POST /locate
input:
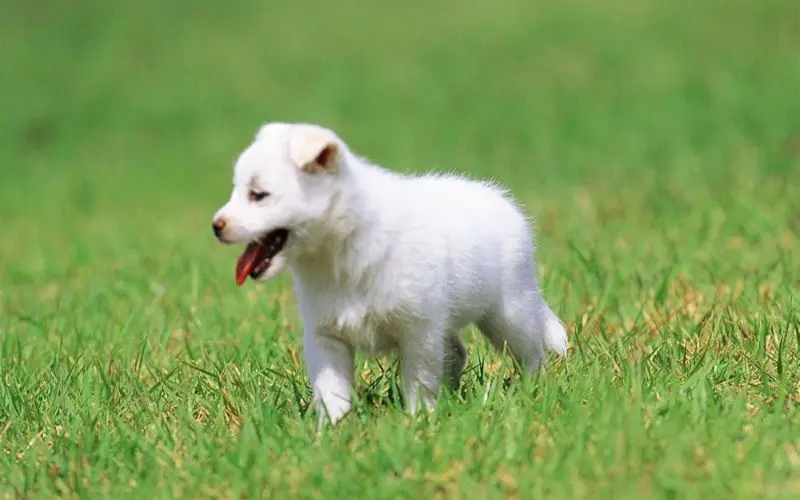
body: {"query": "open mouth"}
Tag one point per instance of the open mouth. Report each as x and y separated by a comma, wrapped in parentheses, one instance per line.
(257, 257)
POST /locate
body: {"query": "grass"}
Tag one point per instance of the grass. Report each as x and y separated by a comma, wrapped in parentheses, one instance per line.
(657, 144)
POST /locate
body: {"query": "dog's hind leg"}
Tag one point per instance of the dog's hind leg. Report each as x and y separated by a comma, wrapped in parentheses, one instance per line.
(526, 325)
(455, 359)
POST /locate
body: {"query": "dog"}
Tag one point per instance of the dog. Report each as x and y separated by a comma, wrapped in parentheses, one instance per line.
(383, 261)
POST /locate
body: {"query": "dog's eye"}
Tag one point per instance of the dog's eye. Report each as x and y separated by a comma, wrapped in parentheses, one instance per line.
(254, 195)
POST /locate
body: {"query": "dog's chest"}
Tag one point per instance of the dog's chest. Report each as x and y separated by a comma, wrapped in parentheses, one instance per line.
(364, 322)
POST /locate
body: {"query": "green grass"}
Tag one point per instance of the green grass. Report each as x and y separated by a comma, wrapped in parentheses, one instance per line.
(657, 144)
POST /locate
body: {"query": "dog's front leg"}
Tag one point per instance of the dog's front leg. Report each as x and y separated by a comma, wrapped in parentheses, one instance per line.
(422, 366)
(330, 366)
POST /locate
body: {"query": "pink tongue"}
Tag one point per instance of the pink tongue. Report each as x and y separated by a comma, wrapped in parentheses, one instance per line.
(247, 262)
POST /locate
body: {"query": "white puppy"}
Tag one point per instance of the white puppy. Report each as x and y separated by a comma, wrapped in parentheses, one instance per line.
(384, 261)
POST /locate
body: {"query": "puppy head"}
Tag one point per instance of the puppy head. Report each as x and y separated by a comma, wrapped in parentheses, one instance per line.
(283, 182)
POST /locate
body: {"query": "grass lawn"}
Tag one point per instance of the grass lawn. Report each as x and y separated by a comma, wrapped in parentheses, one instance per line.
(657, 145)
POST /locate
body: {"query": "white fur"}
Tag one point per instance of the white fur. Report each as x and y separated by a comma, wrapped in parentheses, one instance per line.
(384, 261)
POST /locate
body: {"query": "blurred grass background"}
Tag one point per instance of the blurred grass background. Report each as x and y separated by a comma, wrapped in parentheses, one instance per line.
(656, 143)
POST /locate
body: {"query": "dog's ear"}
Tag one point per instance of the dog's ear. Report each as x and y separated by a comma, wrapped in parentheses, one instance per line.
(314, 150)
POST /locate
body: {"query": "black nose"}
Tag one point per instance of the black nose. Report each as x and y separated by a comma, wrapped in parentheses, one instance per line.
(218, 225)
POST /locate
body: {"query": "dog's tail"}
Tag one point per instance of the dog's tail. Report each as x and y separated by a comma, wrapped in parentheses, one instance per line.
(555, 335)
